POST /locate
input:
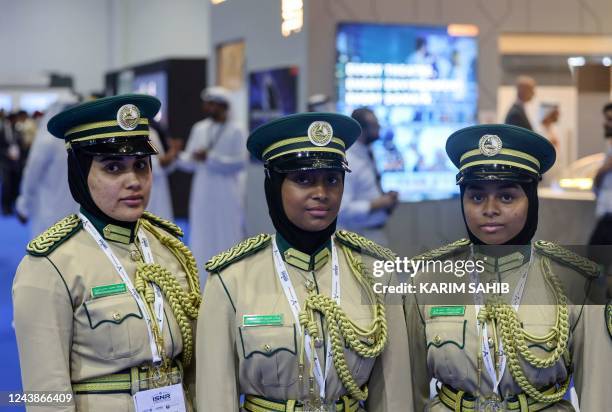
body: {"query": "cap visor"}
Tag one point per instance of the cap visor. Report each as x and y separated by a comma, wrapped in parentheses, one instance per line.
(495, 176)
(129, 147)
(296, 165)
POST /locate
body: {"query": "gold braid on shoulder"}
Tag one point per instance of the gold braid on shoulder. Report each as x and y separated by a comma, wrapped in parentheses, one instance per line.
(451, 248)
(50, 239)
(184, 304)
(515, 338)
(343, 330)
(567, 257)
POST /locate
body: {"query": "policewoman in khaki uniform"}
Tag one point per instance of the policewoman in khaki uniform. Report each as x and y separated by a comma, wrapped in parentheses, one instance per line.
(291, 320)
(518, 349)
(105, 301)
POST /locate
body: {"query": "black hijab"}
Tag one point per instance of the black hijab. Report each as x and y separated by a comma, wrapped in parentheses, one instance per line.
(531, 224)
(302, 240)
(79, 165)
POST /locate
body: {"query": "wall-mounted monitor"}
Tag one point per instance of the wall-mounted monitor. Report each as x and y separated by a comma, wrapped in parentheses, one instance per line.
(272, 94)
(421, 81)
(154, 84)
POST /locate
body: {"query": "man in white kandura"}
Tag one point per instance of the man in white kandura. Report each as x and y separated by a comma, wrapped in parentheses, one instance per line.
(216, 153)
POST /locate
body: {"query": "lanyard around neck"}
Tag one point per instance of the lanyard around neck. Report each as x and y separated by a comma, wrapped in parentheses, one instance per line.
(496, 376)
(148, 257)
(292, 299)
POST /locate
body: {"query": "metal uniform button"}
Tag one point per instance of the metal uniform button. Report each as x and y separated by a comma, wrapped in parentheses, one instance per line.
(116, 316)
(135, 255)
(437, 339)
(318, 342)
(310, 285)
(490, 342)
(267, 348)
(551, 344)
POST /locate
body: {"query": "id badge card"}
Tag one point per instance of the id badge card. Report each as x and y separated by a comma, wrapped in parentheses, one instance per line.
(167, 398)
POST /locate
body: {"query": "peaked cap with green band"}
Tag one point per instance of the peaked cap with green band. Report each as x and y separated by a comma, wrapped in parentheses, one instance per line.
(116, 125)
(304, 141)
(499, 152)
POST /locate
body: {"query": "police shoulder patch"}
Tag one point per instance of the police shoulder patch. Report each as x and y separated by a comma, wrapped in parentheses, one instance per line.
(50, 239)
(240, 251)
(444, 251)
(163, 223)
(608, 316)
(364, 245)
(566, 257)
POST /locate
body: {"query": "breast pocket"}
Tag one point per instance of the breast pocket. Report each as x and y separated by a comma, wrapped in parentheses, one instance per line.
(360, 367)
(271, 350)
(543, 376)
(446, 356)
(113, 320)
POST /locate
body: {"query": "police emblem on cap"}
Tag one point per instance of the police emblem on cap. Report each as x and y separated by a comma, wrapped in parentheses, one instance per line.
(320, 133)
(490, 144)
(128, 116)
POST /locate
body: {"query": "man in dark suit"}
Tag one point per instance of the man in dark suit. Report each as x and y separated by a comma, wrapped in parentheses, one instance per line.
(525, 90)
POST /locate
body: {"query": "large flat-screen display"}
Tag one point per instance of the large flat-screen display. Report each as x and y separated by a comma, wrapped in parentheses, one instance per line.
(421, 82)
(154, 84)
(272, 94)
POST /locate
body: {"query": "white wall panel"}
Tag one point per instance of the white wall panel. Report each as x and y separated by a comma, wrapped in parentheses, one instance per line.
(65, 36)
(148, 30)
(87, 38)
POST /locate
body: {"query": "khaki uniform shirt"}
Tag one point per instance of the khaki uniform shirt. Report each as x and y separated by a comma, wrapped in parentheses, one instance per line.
(65, 336)
(446, 347)
(263, 360)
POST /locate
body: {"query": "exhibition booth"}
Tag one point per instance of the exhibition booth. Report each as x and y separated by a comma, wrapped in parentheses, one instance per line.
(425, 74)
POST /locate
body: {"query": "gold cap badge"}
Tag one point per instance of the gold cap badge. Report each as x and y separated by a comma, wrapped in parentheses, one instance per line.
(128, 116)
(320, 133)
(490, 145)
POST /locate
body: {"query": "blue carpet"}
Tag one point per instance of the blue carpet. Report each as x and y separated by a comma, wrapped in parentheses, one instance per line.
(13, 240)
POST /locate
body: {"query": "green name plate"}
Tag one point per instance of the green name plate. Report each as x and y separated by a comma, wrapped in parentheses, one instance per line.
(108, 290)
(263, 320)
(447, 311)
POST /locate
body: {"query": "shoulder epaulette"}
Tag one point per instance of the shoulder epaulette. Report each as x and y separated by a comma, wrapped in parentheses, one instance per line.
(163, 223)
(364, 245)
(54, 236)
(446, 250)
(234, 254)
(562, 255)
